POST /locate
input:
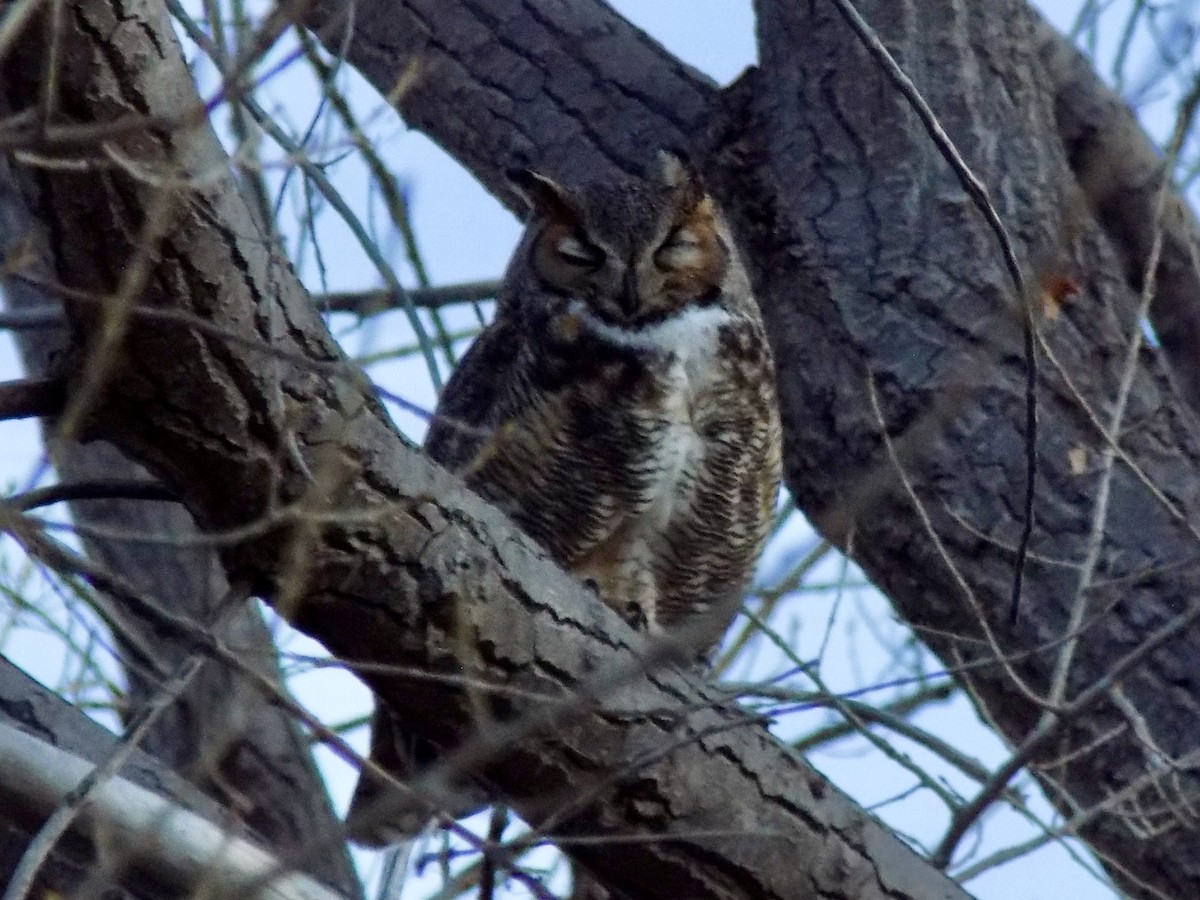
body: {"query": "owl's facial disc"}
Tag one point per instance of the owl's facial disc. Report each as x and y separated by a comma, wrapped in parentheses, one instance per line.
(635, 253)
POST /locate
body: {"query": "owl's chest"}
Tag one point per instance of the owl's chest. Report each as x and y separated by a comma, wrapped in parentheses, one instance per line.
(678, 430)
(677, 410)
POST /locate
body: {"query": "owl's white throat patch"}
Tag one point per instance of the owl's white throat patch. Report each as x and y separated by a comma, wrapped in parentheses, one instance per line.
(692, 329)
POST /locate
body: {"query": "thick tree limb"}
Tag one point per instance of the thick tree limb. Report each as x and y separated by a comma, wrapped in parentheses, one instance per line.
(872, 262)
(872, 259)
(381, 555)
(900, 279)
(222, 735)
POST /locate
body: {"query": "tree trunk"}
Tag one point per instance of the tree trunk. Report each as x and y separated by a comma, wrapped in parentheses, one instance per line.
(228, 386)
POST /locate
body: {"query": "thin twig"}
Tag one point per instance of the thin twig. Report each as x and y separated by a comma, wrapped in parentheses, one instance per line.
(30, 397)
(360, 303)
(487, 873)
(1051, 720)
(318, 177)
(771, 597)
(154, 832)
(1095, 542)
(965, 816)
(367, 303)
(475, 753)
(113, 489)
(960, 580)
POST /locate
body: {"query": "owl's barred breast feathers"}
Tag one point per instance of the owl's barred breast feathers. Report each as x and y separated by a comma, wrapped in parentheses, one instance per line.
(621, 407)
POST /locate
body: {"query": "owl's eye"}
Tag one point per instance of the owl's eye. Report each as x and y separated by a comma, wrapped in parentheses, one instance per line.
(680, 249)
(578, 252)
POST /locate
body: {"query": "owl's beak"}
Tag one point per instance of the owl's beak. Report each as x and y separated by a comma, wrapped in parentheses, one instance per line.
(630, 299)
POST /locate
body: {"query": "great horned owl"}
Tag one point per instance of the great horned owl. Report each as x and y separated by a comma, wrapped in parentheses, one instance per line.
(620, 409)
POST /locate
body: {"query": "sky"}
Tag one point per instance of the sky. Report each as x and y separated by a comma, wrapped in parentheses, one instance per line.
(854, 627)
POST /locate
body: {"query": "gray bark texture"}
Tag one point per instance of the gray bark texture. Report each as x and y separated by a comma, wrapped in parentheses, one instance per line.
(221, 734)
(226, 384)
(875, 268)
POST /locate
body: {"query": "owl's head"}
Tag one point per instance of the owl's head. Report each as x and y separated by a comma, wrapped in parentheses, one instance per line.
(635, 252)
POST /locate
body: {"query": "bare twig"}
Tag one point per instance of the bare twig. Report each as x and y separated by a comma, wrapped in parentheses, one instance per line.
(474, 754)
(1187, 111)
(939, 545)
(367, 303)
(30, 397)
(1049, 727)
(91, 490)
(318, 177)
(360, 303)
(1052, 718)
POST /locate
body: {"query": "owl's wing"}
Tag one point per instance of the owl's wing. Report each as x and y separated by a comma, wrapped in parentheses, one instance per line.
(540, 419)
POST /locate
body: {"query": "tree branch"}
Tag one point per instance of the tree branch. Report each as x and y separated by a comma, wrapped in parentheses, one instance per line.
(1119, 170)
(31, 397)
(170, 846)
(224, 736)
(366, 303)
(871, 264)
(43, 714)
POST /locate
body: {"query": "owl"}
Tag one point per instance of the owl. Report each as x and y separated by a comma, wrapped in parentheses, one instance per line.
(621, 410)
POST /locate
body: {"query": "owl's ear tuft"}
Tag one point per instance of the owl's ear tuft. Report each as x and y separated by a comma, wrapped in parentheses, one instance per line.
(680, 175)
(543, 195)
(675, 168)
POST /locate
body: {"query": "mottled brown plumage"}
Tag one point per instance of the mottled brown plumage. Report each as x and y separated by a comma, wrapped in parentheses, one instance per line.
(621, 407)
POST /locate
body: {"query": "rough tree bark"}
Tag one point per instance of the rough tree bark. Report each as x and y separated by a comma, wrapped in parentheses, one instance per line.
(42, 714)
(875, 267)
(873, 260)
(221, 734)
